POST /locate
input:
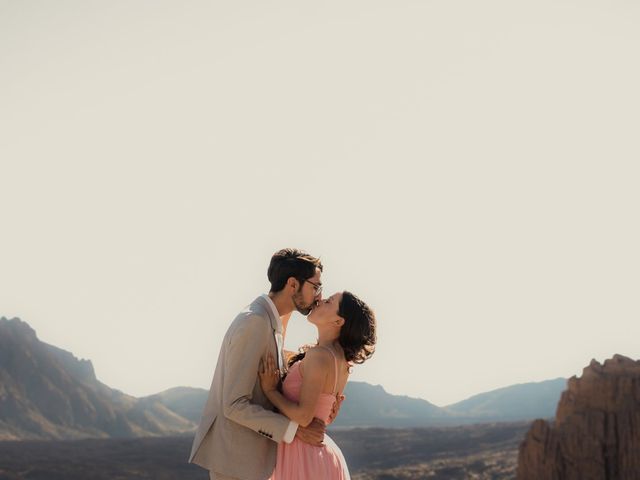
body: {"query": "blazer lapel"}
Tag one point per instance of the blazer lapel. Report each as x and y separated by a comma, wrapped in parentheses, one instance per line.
(276, 325)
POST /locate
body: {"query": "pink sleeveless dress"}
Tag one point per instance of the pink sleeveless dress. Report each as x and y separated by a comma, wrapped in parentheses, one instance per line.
(298, 460)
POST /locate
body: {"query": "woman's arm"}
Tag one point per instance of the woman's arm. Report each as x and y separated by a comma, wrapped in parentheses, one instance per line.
(316, 368)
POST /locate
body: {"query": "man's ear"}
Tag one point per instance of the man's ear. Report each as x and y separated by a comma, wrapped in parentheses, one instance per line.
(292, 282)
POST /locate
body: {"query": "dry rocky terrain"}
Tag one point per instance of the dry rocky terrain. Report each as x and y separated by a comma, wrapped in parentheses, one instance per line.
(477, 451)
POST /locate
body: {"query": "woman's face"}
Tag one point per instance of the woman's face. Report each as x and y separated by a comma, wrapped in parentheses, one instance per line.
(327, 310)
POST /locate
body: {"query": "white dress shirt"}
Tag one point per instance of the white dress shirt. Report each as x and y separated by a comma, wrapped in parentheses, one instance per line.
(293, 426)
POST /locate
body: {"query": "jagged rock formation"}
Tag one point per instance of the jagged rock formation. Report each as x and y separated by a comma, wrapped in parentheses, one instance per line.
(596, 435)
(47, 393)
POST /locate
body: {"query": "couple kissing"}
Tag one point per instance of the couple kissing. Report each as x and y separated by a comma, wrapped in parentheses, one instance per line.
(267, 409)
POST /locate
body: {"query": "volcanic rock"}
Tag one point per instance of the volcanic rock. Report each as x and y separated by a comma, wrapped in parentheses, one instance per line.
(596, 434)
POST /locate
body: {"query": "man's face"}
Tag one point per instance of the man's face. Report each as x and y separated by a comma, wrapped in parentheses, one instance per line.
(308, 294)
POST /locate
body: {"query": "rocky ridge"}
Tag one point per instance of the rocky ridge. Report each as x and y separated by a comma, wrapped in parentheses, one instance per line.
(47, 393)
(596, 434)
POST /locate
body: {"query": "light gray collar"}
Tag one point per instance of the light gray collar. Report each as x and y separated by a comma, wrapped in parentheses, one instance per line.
(270, 309)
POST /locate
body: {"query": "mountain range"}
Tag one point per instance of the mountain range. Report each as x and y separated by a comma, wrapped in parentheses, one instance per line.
(47, 393)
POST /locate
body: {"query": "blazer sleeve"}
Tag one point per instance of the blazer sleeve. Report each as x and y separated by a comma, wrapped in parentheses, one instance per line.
(246, 346)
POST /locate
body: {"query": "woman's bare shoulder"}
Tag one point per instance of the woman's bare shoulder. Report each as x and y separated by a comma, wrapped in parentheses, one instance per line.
(319, 355)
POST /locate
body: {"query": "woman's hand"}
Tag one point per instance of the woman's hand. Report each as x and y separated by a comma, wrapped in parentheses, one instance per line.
(336, 407)
(269, 374)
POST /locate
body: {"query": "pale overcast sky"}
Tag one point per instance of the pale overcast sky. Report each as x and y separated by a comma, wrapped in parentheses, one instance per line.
(470, 169)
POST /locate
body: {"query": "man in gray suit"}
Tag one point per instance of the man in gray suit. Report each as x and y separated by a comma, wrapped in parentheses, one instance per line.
(239, 431)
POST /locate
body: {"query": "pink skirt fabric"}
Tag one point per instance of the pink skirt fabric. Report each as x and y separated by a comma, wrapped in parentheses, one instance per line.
(298, 460)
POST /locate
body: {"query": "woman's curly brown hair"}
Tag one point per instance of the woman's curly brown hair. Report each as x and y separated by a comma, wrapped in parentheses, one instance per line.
(358, 334)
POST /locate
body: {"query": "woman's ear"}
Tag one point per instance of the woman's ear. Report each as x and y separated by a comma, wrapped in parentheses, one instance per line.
(340, 322)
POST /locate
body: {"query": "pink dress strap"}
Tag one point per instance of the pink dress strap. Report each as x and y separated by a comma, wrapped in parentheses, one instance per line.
(335, 365)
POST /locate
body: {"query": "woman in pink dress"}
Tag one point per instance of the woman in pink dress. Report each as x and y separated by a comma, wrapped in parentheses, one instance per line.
(346, 335)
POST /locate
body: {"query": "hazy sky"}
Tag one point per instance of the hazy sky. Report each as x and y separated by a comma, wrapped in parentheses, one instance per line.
(470, 169)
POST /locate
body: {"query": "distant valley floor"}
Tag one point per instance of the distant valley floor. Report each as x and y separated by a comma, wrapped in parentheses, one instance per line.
(487, 451)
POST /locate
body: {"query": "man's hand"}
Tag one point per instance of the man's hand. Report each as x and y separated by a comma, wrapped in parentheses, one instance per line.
(336, 407)
(313, 434)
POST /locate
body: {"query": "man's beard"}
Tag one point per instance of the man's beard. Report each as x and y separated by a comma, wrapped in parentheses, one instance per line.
(300, 307)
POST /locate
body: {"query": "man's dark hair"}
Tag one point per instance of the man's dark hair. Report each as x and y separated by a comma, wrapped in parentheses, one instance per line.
(291, 262)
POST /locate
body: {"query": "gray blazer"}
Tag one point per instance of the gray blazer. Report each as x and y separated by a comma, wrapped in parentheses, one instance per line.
(239, 432)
